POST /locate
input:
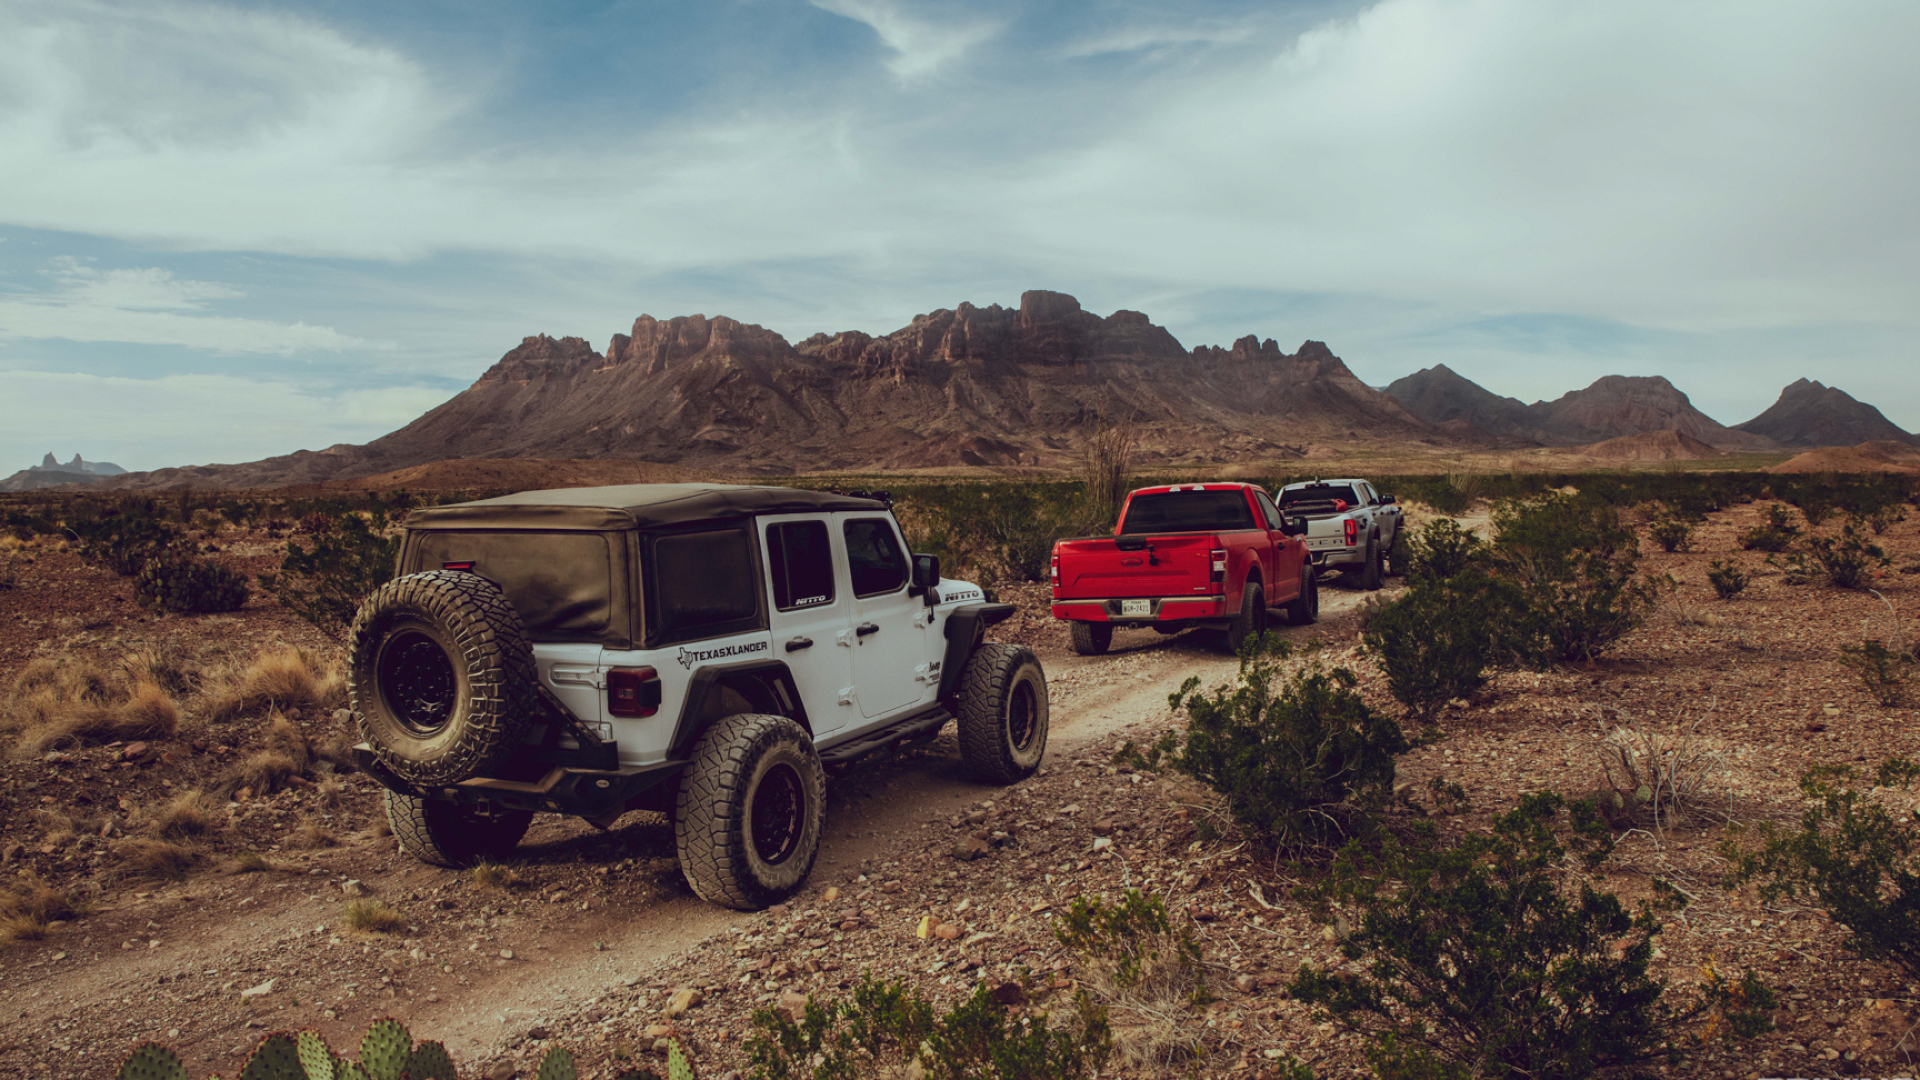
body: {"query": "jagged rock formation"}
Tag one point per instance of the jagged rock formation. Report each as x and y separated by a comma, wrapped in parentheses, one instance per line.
(968, 386)
(1814, 414)
(51, 472)
(1613, 407)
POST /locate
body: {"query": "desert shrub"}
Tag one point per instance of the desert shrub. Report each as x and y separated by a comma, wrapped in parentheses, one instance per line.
(282, 678)
(1576, 567)
(1884, 518)
(1106, 466)
(1846, 561)
(1671, 532)
(1147, 974)
(9, 571)
(888, 1029)
(1727, 578)
(1299, 759)
(324, 584)
(1480, 963)
(146, 859)
(1657, 774)
(1443, 549)
(126, 540)
(1853, 853)
(372, 917)
(1884, 672)
(189, 586)
(186, 816)
(1438, 640)
(1775, 534)
(28, 905)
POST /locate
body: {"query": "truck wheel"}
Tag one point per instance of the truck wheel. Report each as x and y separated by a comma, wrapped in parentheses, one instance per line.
(440, 676)
(1091, 638)
(1003, 712)
(750, 812)
(1396, 561)
(447, 834)
(1370, 573)
(1304, 609)
(1252, 620)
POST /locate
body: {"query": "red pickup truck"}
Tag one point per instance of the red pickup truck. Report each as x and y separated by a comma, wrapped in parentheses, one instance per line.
(1186, 555)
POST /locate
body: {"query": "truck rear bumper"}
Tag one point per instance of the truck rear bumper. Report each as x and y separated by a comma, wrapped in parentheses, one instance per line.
(1158, 609)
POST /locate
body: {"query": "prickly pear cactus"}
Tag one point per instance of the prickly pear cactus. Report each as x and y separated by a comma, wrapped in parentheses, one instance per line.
(316, 1061)
(557, 1065)
(350, 1070)
(678, 1067)
(430, 1062)
(276, 1058)
(385, 1050)
(151, 1061)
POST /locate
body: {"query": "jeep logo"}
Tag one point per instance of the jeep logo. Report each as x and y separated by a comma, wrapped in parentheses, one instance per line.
(689, 657)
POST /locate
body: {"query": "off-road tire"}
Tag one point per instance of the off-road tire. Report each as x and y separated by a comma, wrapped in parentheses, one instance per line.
(1304, 610)
(1252, 620)
(1003, 712)
(1396, 560)
(1091, 638)
(1370, 573)
(447, 834)
(440, 676)
(731, 855)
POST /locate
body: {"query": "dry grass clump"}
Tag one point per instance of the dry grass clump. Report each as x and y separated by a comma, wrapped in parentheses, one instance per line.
(248, 862)
(372, 917)
(266, 772)
(154, 860)
(312, 836)
(284, 678)
(29, 906)
(76, 701)
(188, 815)
(1149, 973)
(493, 875)
(164, 668)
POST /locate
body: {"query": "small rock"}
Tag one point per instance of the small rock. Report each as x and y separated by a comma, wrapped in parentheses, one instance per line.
(1102, 844)
(353, 887)
(925, 928)
(657, 1031)
(135, 751)
(792, 1006)
(780, 970)
(502, 1070)
(1246, 984)
(683, 999)
(946, 931)
(972, 848)
(1103, 827)
(832, 894)
(539, 1031)
(506, 954)
(262, 990)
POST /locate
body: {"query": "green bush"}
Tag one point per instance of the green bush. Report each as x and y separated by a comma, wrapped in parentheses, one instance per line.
(1480, 963)
(1846, 561)
(1727, 578)
(188, 586)
(1853, 854)
(324, 584)
(885, 1027)
(1671, 533)
(1884, 672)
(1135, 945)
(1576, 567)
(1443, 549)
(1438, 640)
(1776, 534)
(125, 541)
(1300, 759)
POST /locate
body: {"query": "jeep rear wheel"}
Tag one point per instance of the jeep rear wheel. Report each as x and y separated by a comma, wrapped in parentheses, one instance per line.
(1091, 638)
(750, 812)
(440, 676)
(1003, 712)
(447, 834)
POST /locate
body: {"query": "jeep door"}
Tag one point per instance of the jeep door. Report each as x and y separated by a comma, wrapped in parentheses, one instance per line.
(891, 669)
(811, 615)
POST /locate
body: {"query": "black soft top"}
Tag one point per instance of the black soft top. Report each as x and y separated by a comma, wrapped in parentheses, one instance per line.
(632, 506)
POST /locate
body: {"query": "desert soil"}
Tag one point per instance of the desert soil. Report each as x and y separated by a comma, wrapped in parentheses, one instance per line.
(585, 939)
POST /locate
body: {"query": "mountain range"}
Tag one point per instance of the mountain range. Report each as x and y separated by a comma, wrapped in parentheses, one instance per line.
(994, 386)
(52, 472)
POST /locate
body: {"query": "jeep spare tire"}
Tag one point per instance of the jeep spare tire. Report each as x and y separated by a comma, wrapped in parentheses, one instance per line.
(440, 676)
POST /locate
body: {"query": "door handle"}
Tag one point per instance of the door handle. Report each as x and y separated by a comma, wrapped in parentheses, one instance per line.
(866, 628)
(796, 644)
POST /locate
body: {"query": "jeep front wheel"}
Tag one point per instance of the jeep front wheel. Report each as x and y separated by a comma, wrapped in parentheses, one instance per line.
(1003, 712)
(447, 834)
(751, 808)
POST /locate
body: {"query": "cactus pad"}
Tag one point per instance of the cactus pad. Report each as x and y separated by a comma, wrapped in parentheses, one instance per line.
(276, 1058)
(351, 1070)
(385, 1049)
(430, 1062)
(557, 1065)
(151, 1061)
(316, 1061)
(678, 1068)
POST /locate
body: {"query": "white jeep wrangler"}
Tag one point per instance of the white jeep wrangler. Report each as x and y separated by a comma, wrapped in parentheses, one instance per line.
(701, 650)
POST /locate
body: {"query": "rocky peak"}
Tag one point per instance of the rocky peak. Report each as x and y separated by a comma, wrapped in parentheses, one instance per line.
(540, 357)
(1811, 414)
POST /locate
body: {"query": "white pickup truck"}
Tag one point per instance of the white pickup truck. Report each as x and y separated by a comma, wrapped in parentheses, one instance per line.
(1351, 527)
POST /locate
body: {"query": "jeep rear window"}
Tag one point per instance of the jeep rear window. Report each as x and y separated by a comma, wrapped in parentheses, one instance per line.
(1319, 493)
(801, 563)
(560, 583)
(703, 584)
(1188, 511)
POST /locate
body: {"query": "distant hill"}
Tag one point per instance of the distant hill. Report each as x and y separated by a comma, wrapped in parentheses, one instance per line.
(51, 473)
(1652, 446)
(1814, 414)
(1615, 406)
(1439, 395)
(1886, 455)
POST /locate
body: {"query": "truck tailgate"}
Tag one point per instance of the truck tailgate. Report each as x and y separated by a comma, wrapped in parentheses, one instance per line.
(1156, 565)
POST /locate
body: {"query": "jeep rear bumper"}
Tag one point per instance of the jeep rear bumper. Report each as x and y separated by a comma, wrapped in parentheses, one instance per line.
(589, 793)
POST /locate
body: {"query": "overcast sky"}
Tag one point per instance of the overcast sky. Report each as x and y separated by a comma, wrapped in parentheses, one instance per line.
(242, 229)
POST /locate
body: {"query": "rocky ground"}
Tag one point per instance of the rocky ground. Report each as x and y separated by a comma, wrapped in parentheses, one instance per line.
(589, 937)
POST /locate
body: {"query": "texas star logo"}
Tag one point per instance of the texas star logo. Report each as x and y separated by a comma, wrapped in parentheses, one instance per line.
(689, 657)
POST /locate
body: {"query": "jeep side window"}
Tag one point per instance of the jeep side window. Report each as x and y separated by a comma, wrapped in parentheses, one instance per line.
(874, 556)
(1266, 507)
(802, 564)
(704, 584)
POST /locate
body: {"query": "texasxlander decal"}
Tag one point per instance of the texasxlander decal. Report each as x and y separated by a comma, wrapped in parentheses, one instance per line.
(690, 657)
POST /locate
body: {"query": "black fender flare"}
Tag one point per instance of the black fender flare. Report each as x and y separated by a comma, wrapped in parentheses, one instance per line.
(965, 628)
(773, 673)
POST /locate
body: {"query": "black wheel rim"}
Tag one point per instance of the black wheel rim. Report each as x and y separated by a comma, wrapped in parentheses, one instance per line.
(417, 681)
(779, 815)
(1023, 715)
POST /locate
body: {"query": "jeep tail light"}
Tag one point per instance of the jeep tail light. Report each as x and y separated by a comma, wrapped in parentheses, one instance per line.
(1353, 532)
(463, 567)
(633, 691)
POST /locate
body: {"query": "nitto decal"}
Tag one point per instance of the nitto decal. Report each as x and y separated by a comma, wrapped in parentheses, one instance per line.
(971, 595)
(689, 657)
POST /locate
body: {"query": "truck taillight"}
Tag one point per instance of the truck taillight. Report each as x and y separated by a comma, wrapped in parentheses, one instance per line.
(1353, 532)
(1054, 573)
(633, 692)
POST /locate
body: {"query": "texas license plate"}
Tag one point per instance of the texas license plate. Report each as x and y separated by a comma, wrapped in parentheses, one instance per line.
(1136, 607)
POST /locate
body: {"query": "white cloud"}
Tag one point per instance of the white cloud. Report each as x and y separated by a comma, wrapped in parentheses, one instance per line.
(179, 419)
(920, 45)
(152, 307)
(1147, 37)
